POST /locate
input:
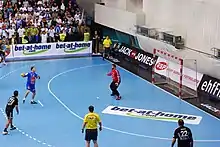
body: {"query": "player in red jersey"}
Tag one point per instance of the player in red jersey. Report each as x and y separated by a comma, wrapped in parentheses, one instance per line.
(116, 80)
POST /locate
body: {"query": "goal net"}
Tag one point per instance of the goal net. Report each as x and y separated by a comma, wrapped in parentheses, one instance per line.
(170, 73)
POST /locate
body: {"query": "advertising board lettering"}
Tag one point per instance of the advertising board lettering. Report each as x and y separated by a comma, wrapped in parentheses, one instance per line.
(72, 45)
(144, 59)
(136, 54)
(210, 86)
(152, 114)
(32, 47)
(213, 109)
(161, 65)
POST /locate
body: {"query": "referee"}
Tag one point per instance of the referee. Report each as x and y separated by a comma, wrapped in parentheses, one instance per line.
(183, 135)
(91, 121)
(107, 47)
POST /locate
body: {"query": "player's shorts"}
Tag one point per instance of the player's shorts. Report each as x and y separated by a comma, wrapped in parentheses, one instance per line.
(91, 134)
(113, 85)
(31, 87)
(9, 113)
(2, 53)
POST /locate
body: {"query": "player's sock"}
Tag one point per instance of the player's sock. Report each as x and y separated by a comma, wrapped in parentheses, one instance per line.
(5, 131)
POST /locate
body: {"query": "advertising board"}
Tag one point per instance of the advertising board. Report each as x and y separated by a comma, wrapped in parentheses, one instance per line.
(135, 55)
(51, 49)
(210, 86)
(152, 114)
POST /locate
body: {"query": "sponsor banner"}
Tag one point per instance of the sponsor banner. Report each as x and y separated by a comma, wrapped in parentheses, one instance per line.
(52, 49)
(210, 86)
(152, 114)
(211, 108)
(134, 55)
(171, 70)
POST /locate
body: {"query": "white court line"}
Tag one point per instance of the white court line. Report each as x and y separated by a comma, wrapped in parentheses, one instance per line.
(40, 103)
(3, 113)
(4, 76)
(115, 130)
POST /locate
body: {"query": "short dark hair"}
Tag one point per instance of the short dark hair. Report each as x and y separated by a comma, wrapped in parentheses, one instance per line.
(15, 93)
(91, 108)
(181, 122)
(114, 65)
(32, 67)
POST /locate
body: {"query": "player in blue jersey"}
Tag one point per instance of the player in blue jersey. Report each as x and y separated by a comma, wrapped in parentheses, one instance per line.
(31, 80)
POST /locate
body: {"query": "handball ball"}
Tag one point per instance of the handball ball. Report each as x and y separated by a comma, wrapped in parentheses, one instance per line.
(22, 74)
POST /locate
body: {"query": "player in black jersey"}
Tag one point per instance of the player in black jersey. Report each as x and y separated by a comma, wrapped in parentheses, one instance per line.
(11, 104)
(183, 135)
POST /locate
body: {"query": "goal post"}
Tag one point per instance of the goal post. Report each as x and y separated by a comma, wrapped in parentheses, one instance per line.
(175, 74)
(163, 76)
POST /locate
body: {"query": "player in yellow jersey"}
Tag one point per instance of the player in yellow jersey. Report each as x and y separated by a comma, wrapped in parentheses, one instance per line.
(90, 123)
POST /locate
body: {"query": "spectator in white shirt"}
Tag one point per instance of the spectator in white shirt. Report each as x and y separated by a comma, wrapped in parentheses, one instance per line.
(0, 32)
(11, 32)
(77, 16)
(23, 8)
(20, 34)
(25, 3)
(62, 7)
(43, 37)
(51, 33)
(4, 32)
(1, 23)
(59, 20)
(39, 3)
(54, 7)
(30, 9)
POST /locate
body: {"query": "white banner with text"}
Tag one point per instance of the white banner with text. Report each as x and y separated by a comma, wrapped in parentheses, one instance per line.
(51, 49)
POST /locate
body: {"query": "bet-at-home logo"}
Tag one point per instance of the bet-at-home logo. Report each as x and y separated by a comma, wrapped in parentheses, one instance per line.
(151, 114)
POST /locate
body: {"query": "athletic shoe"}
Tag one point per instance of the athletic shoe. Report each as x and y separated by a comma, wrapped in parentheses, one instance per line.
(5, 132)
(118, 98)
(13, 128)
(33, 102)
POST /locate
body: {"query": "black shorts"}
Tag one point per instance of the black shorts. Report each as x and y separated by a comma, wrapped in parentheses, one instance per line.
(113, 85)
(2, 53)
(107, 50)
(91, 134)
(9, 113)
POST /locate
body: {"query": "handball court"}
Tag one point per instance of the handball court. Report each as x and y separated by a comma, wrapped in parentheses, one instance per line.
(68, 86)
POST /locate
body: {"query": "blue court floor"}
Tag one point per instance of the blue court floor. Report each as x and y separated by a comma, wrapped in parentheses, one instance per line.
(68, 86)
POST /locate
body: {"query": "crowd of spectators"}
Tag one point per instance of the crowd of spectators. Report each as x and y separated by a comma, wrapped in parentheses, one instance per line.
(32, 21)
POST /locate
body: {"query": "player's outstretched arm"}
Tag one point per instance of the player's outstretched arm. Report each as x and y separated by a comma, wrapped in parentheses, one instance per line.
(109, 74)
